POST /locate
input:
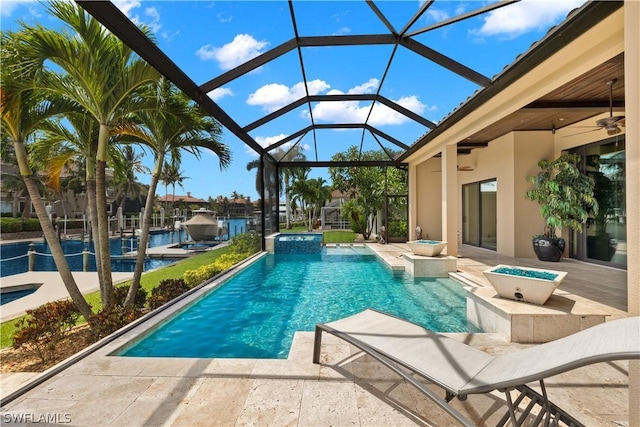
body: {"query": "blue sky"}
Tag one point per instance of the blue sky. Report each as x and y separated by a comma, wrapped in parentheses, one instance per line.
(208, 38)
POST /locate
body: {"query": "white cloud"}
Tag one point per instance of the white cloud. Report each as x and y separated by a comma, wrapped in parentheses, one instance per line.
(356, 112)
(274, 95)
(8, 7)
(34, 9)
(437, 14)
(265, 141)
(342, 31)
(527, 15)
(126, 6)
(154, 15)
(367, 87)
(151, 15)
(223, 19)
(219, 93)
(243, 48)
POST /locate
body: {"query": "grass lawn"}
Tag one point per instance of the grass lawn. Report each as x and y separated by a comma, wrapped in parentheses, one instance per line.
(339, 236)
(149, 281)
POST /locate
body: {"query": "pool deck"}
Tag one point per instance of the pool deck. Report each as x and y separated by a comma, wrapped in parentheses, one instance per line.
(50, 288)
(347, 388)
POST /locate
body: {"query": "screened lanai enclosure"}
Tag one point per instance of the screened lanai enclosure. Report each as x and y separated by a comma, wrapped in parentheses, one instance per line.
(395, 79)
(386, 34)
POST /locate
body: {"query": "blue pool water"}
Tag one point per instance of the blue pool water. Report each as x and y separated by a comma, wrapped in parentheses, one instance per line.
(13, 261)
(256, 313)
(7, 297)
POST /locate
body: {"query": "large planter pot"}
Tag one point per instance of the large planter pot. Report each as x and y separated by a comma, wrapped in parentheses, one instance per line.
(548, 249)
(601, 247)
(526, 284)
(426, 247)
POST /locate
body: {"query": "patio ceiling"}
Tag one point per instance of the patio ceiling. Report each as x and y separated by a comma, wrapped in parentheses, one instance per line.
(583, 98)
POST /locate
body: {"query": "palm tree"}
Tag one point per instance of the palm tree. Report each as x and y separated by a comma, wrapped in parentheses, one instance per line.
(22, 109)
(173, 175)
(175, 125)
(72, 145)
(255, 164)
(102, 75)
(318, 193)
(125, 182)
(286, 174)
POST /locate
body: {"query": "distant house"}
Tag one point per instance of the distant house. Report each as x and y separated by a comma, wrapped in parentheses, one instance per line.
(331, 213)
(188, 199)
(239, 207)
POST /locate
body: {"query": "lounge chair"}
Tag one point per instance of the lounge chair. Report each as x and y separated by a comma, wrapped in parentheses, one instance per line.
(460, 370)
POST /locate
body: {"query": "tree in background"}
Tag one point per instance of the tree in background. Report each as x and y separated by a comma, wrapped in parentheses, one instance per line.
(125, 182)
(172, 175)
(366, 186)
(288, 175)
(313, 193)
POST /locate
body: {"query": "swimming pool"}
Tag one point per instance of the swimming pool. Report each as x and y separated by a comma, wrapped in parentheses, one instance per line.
(9, 295)
(14, 261)
(256, 313)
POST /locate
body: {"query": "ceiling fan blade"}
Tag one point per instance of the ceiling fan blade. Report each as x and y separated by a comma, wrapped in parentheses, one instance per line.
(609, 121)
(580, 133)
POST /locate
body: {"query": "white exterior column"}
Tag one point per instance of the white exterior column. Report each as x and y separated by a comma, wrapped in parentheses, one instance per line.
(450, 198)
(632, 144)
(413, 200)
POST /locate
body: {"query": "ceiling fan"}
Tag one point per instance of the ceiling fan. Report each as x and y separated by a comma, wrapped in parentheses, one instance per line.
(612, 123)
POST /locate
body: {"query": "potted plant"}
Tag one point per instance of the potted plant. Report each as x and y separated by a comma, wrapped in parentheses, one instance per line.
(566, 198)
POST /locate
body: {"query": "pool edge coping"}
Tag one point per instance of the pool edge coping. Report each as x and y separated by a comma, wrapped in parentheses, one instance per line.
(93, 348)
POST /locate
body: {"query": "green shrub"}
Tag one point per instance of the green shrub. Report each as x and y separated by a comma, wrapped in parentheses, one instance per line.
(120, 295)
(71, 223)
(167, 290)
(109, 320)
(195, 277)
(247, 243)
(31, 224)
(44, 328)
(223, 262)
(226, 261)
(10, 225)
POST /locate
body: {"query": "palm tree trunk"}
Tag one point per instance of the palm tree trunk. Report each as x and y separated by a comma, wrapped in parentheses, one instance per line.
(144, 237)
(93, 223)
(167, 220)
(103, 224)
(50, 234)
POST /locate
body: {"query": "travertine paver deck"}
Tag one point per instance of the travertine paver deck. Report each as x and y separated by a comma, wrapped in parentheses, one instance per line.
(347, 388)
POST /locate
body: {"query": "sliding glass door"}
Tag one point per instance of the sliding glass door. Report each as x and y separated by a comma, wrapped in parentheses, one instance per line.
(479, 217)
(604, 237)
